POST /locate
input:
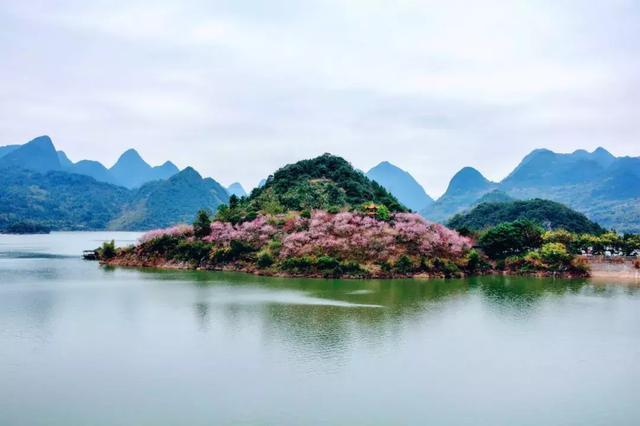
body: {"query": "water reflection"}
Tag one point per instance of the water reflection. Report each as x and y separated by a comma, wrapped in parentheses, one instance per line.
(319, 318)
(192, 347)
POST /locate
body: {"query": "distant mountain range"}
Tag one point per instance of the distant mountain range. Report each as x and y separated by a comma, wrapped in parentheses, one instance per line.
(39, 155)
(237, 190)
(604, 187)
(39, 184)
(401, 184)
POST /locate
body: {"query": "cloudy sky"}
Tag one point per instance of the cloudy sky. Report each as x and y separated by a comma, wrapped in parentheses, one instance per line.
(237, 88)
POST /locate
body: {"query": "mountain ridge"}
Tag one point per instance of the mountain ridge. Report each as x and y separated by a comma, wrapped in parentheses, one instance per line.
(401, 184)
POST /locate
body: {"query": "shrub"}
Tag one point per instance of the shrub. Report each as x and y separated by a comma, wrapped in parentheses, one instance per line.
(533, 261)
(404, 264)
(385, 266)
(513, 263)
(555, 255)
(303, 263)
(163, 245)
(332, 210)
(450, 269)
(191, 251)
(382, 212)
(327, 262)
(221, 255)
(306, 214)
(350, 267)
(108, 250)
(476, 262)
(564, 237)
(264, 260)
(636, 264)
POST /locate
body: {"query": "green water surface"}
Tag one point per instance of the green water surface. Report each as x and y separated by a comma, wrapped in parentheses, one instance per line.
(82, 344)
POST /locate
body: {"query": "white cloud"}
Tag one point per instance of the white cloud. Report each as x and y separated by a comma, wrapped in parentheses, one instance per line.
(237, 88)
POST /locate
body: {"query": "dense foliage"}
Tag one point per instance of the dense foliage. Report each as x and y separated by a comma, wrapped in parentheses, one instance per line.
(548, 214)
(25, 228)
(523, 246)
(58, 200)
(323, 243)
(165, 202)
(326, 182)
(66, 201)
(511, 239)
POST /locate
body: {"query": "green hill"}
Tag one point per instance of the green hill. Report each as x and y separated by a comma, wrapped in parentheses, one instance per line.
(65, 201)
(325, 182)
(549, 214)
(58, 200)
(162, 203)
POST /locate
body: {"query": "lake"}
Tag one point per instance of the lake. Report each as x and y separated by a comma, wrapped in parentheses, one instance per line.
(82, 344)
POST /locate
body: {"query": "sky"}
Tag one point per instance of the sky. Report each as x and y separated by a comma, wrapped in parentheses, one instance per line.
(239, 88)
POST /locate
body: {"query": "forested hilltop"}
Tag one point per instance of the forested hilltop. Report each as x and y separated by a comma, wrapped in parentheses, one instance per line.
(545, 213)
(327, 183)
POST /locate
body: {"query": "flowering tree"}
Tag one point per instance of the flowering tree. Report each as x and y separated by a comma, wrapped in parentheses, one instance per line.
(345, 235)
(181, 230)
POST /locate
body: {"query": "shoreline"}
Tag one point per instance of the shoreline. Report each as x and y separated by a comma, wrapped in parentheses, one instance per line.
(250, 269)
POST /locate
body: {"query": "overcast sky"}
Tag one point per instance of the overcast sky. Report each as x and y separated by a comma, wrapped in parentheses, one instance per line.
(238, 88)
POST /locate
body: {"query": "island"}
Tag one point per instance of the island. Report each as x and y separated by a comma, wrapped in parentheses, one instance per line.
(322, 218)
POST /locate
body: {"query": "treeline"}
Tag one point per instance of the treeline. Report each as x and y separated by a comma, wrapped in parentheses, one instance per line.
(524, 246)
(546, 213)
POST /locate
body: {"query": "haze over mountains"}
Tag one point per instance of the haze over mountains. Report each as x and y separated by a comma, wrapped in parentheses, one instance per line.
(40, 184)
(237, 190)
(39, 155)
(401, 184)
(604, 187)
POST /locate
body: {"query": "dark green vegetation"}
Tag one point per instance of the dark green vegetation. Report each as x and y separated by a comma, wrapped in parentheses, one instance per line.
(603, 187)
(548, 214)
(165, 202)
(401, 184)
(25, 228)
(42, 187)
(58, 200)
(65, 201)
(522, 246)
(327, 182)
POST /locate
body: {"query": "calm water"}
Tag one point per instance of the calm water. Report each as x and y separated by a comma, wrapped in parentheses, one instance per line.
(86, 345)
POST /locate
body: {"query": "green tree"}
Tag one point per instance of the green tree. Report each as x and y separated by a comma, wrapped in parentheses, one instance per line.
(382, 212)
(202, 224)
(108, 250)
(511, 239)
(555, 255)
